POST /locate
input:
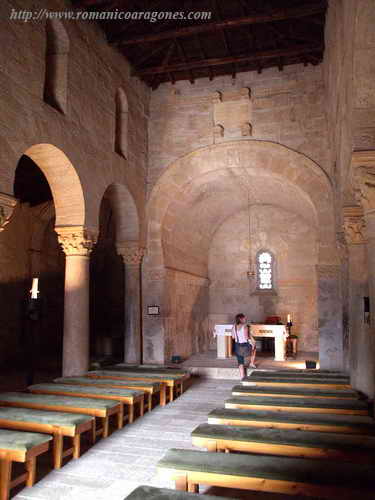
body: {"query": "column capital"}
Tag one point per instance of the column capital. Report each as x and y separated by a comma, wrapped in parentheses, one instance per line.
(354, 225)
(131, 253)
(363, 167)
(76, 240)
(7, 206)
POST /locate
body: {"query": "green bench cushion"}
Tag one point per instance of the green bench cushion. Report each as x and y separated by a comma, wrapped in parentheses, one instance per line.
(87, 390)
(339, 404)
(21, 441)
(148, 368)
(152, 493)
(288, 375)
(348, 393)
(286, 437)
(92, 381)
(136, 374)
(320, 472)
(43, 417)
(363, 422)
(50, 400)
(294, 380)
(329, 373)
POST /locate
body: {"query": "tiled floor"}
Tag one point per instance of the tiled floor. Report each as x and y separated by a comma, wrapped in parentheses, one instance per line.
(112, 468)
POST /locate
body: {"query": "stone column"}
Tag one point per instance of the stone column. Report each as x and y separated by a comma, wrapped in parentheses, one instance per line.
(132, 256)
(77, 244)
(354, 228)
(364, 183)
(330, 317)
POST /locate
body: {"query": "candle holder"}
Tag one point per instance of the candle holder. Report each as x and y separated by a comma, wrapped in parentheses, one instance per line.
(289, 327)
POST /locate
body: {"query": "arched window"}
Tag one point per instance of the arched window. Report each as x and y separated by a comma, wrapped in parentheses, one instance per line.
(56, 73)
(122, 117)
(265, 270)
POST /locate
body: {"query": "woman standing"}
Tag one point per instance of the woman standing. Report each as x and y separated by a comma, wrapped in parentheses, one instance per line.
(244, 344)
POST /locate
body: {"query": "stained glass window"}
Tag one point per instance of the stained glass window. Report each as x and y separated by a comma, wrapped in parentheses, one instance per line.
(265, 270)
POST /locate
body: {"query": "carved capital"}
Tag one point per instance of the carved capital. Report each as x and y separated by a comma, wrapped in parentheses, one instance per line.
(7, 206)
(217, 97)
(76, 240)
(354, 225)
(246, 129)
(363, 168)
(131, 253)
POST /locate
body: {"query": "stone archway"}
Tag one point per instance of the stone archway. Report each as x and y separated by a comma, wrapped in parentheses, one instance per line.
(176, 204)
(126, 242)
(77, 241)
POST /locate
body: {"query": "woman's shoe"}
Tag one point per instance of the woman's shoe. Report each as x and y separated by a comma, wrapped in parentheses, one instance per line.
(252, 366)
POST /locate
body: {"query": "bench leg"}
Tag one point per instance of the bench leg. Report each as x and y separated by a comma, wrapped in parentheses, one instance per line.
(171, 393)
(120, 418)
(141, 407)
(93, 431)
(181, 483)
(181, 388)
(163, 395)
(31, 471)
(193, 488)
(58, 441)
(5, 476)
(149, 402)
(105, 426)
(212, 446)
(131, 414)
(77, 446)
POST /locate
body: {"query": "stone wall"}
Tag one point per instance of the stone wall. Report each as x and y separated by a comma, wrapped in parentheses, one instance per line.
(84, 132)
(285, 107)
(293, 245)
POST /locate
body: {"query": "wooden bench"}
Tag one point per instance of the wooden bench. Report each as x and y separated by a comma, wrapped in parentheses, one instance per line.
(58, 424)
(152, 493)
(174, 382)
(306, 405)
(296, 392)
(292, 443)
(302, 374)
(16, 446)
(295, 476)
(150, 388)
(154, 370)
(344, 424)
(327, 373)
(303, 382)
(126, 397)
(101, 408)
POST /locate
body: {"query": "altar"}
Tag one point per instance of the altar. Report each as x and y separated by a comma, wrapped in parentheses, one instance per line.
(223, 334)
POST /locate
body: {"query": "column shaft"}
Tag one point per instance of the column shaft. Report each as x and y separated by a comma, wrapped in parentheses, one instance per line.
(132, 314)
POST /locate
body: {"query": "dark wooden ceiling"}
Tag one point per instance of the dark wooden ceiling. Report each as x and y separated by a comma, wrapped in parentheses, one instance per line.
(241, 35)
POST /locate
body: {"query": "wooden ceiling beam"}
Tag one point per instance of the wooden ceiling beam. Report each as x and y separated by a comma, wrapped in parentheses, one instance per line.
(257, 56)
(275, 15)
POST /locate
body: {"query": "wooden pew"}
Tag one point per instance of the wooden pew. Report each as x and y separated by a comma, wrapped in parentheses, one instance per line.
(155, 371)
(49, 422)
(301, 374)
(150, 388)
(303, 382)
(101, 408)
(16, 446)
(306, 405)
(296, 476)
(152, 493)
(174, 382)
(126, 397)
(343, 424)
(291, 443)
(296, 392)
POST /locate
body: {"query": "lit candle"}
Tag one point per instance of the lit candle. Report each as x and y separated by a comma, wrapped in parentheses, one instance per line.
(289, 320)
(34, 289)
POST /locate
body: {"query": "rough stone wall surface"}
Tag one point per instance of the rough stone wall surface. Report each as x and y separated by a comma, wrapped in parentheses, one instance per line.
(86, 133)
(293, 245)
(285, 107)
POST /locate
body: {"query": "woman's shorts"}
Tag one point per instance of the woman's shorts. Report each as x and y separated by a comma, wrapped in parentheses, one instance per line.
(240, 357)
